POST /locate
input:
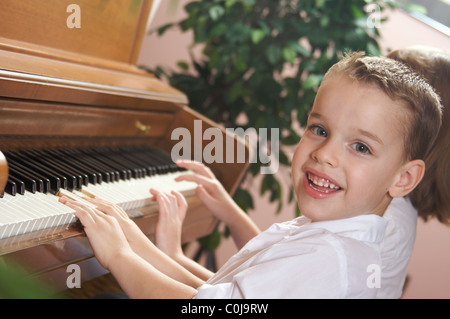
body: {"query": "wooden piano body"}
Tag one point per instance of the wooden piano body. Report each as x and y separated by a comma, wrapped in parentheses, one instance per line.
(80, 87)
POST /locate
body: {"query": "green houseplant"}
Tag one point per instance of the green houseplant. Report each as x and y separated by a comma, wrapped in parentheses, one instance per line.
(263, 61)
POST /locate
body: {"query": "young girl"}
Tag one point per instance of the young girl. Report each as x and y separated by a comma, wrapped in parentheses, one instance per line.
(431, 196)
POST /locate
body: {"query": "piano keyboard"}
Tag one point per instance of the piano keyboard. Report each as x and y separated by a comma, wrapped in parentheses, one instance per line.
(120, 175)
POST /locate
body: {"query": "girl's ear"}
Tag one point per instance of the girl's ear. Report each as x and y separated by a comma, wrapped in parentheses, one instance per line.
(409, 176)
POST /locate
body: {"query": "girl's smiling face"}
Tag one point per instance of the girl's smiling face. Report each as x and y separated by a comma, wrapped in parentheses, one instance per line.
(351, 153)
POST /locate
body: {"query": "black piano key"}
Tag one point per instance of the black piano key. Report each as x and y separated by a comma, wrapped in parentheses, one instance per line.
(71, 179)
(40, 170)
(29, 182)
(107, 157)
(120, 155)
(66, 170)
(105, 162)
(42, 183)
(109, 173)
(73, 168)
(11, 187)
(56, 182)
(93, 176)
(151, 161)
(116, 156)
(102, 173)
(19, 185)
(160, 160)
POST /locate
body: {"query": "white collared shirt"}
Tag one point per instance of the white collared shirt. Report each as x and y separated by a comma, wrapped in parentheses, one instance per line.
(300, 259)
(397, 246)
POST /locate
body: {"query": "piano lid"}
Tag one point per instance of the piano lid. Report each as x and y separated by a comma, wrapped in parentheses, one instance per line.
(109, 29)
(40, 48)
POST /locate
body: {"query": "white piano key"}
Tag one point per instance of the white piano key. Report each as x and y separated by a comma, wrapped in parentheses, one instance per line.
(31, 212)
(20, 219)
(135, 193)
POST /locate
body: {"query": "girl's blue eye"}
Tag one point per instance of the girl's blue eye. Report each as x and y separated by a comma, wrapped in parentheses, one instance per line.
(319, 131)
(361, 148)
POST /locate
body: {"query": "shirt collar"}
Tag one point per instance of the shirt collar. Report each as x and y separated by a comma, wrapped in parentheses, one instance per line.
(364, 227)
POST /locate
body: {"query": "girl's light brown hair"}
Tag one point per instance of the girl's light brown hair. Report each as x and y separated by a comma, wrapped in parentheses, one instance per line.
(432, 196)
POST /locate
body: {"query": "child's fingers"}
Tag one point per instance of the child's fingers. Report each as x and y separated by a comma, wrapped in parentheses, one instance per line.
(199, 179)
(181, 200)
(204, 196)
(197, 167)
(172, 203)
(85, 214)
(154, 192)
(162, 200)
(108, 207)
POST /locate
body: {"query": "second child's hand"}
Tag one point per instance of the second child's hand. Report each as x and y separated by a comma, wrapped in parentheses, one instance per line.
(215, 197)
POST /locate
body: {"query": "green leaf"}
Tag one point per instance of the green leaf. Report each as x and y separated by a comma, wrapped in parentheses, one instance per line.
(239, 63)
(284, 159)
(266, 184)
(215, 12)
(273, 53)
(356, 12)
(373, 49)
(183, 65)
(324, 21)
(218, 30)
(291, 195)
(320, 3)
(229, 3)
(276, 191)
(291, 139)
(200, 31)
(301, 49)
(210, 242)
(257, 35)
(243, 198)
(312, 81)
(236, 91)
(164, 28)
(249, 3)
(289, 54)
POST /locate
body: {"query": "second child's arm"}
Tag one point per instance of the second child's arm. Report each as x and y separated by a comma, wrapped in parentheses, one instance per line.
(172, 211)
(211, 192)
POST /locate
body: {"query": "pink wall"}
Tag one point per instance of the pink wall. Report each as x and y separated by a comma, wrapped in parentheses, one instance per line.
(428, 273)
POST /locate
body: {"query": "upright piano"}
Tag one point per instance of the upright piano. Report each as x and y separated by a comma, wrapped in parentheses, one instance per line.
(77, 116)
